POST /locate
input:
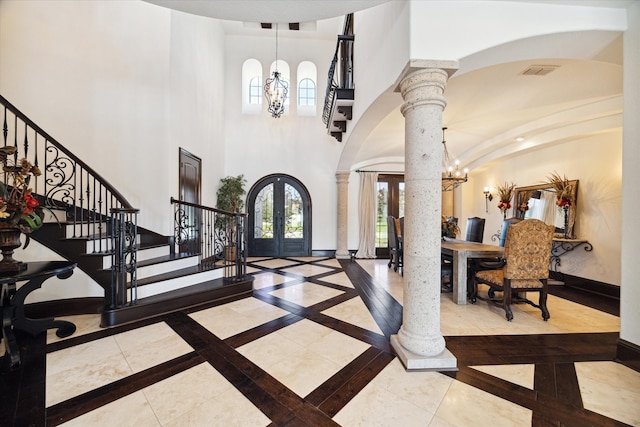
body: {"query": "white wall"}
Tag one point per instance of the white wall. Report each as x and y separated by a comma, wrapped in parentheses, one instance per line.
(197, 112)
(630, 289)
(123, 85)
(456, 29)
(596, 163)
(260, 145)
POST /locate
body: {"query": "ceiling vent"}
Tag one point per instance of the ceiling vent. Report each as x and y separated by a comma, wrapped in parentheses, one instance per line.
(539, 70)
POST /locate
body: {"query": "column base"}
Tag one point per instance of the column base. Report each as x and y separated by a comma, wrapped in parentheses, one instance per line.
(444, 361)
(343, 254)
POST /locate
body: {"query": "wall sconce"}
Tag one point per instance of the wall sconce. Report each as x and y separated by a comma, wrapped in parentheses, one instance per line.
(487, 198)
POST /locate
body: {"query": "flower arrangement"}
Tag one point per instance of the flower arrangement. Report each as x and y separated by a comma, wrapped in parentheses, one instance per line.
(18, 208)
(564, 190)
(449, 228)
(523, 198)
(505, 193)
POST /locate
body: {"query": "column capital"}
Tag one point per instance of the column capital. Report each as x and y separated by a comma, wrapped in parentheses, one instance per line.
(423, 82)
(342, 176)
(448, 66)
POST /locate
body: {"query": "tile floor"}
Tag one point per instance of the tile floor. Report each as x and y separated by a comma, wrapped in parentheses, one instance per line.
(301, 356)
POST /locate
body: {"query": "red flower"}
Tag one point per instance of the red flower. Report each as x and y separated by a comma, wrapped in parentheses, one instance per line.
(31, 202)
(563, 202)
(504, 205)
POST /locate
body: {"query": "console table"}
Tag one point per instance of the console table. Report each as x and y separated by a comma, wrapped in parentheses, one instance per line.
(561, 246)
(12, 305)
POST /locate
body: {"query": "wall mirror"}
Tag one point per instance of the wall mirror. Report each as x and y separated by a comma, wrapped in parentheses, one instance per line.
(541, 200)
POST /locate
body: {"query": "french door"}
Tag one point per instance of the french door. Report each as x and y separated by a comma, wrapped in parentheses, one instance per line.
(390, 191)
(279, 222)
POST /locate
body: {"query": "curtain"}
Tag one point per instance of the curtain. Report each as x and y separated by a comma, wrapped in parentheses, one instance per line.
(367, 209)
(549, 215)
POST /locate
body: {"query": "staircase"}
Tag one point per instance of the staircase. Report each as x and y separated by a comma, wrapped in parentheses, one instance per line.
(142, 272)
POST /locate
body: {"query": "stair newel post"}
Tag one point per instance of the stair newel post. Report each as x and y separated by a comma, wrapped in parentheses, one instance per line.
(124, 253)
(241, 259)
(118, 272)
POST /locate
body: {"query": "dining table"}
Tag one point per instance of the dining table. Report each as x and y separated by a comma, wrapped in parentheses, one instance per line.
(461, 251)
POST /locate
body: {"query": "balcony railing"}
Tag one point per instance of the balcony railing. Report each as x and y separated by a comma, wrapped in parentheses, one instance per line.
(340, 74)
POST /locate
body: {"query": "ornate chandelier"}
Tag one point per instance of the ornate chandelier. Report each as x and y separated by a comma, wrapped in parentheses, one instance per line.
(276, 89)
(452, 177)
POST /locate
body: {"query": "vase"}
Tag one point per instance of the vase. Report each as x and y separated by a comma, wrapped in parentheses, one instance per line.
(565, 209)
(10, 240)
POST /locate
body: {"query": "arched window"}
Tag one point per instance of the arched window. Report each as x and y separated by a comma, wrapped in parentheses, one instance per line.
(306, 92)
(251, 86)
(255, 90)
(307, 88)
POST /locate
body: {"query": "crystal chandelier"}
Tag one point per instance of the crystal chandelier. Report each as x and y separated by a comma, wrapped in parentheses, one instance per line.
(452, 177)
(276, 89)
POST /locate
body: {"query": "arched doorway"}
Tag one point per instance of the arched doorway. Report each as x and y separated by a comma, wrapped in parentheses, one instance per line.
(279, 222)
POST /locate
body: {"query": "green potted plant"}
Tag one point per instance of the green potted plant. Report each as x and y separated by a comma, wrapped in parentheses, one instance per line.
(230, 198)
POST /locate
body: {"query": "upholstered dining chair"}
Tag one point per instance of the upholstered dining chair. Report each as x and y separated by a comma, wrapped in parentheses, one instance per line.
(479, 264)
(526, 256)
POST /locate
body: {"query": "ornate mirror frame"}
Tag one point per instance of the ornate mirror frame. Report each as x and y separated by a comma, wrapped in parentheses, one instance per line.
(525, 194)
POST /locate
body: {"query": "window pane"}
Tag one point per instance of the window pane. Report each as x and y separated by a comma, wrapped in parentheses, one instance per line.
(263, 213)
(401, 199)
(255, 91)
(293, 213)
(307, 92)
(383, 213)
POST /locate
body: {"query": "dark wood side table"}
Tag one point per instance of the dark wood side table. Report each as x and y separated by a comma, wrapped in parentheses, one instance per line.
(12, 305)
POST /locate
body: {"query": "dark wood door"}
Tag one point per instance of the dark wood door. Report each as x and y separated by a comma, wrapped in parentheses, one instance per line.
(279, 209)
(190, 184)
(390, 193)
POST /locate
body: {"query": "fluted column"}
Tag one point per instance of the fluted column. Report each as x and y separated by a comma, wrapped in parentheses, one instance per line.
(342, 179)
(419, 343)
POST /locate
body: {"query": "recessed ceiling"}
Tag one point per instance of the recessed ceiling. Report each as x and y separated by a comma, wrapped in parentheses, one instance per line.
(280, 11)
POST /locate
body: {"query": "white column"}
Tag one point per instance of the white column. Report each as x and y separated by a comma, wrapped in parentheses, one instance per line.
(342, 179)
(419, 343)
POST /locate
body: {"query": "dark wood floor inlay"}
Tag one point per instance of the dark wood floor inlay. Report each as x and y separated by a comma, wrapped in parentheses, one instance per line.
(555, 399)
(386, 311)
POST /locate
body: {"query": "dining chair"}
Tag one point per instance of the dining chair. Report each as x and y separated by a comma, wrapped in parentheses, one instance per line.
(474, 233)
(479, 264)
(394, 242)
(475, 229)
(525, 269)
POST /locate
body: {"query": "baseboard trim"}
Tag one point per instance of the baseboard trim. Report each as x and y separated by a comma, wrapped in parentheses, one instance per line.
(593, 286)
(324, 252)
(628, 354)
(64, 307)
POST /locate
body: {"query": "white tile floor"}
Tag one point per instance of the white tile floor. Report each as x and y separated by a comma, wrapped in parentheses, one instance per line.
(201, 396)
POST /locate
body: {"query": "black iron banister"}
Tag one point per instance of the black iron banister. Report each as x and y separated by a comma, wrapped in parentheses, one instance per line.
(28, 122)
(124, 259)
(218, 237)
(93, 209)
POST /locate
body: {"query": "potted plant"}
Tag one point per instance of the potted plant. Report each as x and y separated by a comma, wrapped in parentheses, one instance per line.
(230, 198)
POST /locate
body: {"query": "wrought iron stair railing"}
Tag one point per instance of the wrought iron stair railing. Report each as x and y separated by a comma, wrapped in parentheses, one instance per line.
(218, 237)
(80, 199)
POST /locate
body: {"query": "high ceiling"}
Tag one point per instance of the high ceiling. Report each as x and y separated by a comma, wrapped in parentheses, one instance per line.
(487, 108)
